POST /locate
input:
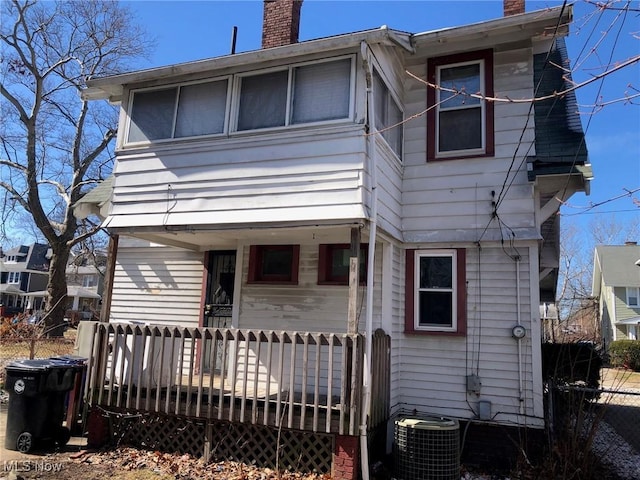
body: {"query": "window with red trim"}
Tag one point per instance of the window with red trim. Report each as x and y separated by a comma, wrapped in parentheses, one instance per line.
(435, 297)
(333, 263)
(274, 264)
(458, 124)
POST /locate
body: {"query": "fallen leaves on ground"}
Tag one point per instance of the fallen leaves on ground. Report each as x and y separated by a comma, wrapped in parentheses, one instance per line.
(127, 463)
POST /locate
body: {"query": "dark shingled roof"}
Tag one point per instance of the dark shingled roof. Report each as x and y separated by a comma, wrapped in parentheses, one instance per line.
(560, 145)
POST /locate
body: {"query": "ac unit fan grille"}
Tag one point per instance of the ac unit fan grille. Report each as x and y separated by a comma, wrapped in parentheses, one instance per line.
(427, 449)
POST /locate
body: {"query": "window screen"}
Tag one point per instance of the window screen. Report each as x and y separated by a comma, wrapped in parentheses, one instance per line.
(263, 101)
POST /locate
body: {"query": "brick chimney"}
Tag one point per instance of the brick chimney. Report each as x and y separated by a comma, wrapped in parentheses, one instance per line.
(513, 7)
(281, 22)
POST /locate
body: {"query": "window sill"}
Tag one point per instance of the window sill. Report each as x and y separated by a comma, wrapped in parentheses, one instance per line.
(438, 333)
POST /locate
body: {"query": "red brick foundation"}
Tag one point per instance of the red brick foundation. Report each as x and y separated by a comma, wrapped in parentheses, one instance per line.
(346, 458)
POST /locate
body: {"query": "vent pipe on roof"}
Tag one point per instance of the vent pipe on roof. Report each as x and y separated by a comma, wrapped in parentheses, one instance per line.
(513, 7)
(280, 22)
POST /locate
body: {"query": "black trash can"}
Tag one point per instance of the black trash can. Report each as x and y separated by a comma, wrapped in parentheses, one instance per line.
(72, 398)
(37, 391)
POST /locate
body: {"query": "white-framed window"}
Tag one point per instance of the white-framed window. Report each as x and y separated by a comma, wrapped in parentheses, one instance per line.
(14, 277)
(435, 295)
(460, 125)
(298, 94)
(633, 296)
(388, 113)
(311, 92)
(89, 281)
(178, 111)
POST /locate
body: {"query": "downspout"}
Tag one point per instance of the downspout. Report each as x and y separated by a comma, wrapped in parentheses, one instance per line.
(519, 322)
(368, 331)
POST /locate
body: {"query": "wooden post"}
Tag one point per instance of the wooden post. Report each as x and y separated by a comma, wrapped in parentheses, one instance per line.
(354, 281)
(107, 290)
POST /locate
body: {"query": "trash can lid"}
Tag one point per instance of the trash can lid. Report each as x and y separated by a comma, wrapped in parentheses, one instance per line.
(37, 364)
(70, 359)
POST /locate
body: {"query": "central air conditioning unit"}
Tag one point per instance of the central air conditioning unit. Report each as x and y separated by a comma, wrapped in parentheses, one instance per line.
(427, 448)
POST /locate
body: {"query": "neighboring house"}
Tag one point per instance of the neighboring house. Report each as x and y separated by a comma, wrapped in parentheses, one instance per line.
(85, 282)
(24, 275)
(249, 190)
(616, 285)
(23, 270)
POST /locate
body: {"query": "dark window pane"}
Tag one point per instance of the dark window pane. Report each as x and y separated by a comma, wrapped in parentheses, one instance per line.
(460, 129)
(263, 101)
(340, 262)
(152, 115)
(465, 78)
(436, 272)
(201, 109)
(321, 91)
(435, 309)
(276, 262)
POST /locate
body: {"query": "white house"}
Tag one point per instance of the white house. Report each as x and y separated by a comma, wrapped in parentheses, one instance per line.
(372, 180)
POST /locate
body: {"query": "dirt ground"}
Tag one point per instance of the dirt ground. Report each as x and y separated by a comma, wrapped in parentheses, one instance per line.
(132, 464)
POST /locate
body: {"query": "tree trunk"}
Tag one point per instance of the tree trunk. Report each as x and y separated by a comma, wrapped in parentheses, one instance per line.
(57, 289)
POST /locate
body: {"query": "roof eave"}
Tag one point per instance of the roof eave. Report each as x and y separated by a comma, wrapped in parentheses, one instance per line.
(536, 23)
(111, 88)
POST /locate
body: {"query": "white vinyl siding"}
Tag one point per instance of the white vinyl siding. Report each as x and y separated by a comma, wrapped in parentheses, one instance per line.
(156, 284)
(307, 306)
(309, 175)
(451, 200)
(432, 370)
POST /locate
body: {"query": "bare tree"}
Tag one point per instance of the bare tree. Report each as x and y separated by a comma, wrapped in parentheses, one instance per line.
(576, 260)
(55, 145)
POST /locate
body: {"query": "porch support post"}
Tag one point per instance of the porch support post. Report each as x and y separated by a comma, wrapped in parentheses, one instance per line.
(354, 277)
(107, 289)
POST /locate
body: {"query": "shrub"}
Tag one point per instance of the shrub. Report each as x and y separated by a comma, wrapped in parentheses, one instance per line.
(571, 364)
(625, 353)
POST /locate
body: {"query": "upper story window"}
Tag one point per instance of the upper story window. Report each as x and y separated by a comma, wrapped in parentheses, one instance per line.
(460, 125)
(14, 277)
(303, 93)
(435, 295)
(388, 113)
(633, 296)
(176, 112)
(89, 281)
(11, 259)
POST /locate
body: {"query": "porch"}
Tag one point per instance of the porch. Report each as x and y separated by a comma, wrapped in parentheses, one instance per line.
(304, 381)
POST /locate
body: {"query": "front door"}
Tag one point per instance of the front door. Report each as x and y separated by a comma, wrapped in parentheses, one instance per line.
(218, 306)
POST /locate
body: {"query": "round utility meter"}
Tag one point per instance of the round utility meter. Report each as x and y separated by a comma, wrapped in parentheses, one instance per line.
(518, 331)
